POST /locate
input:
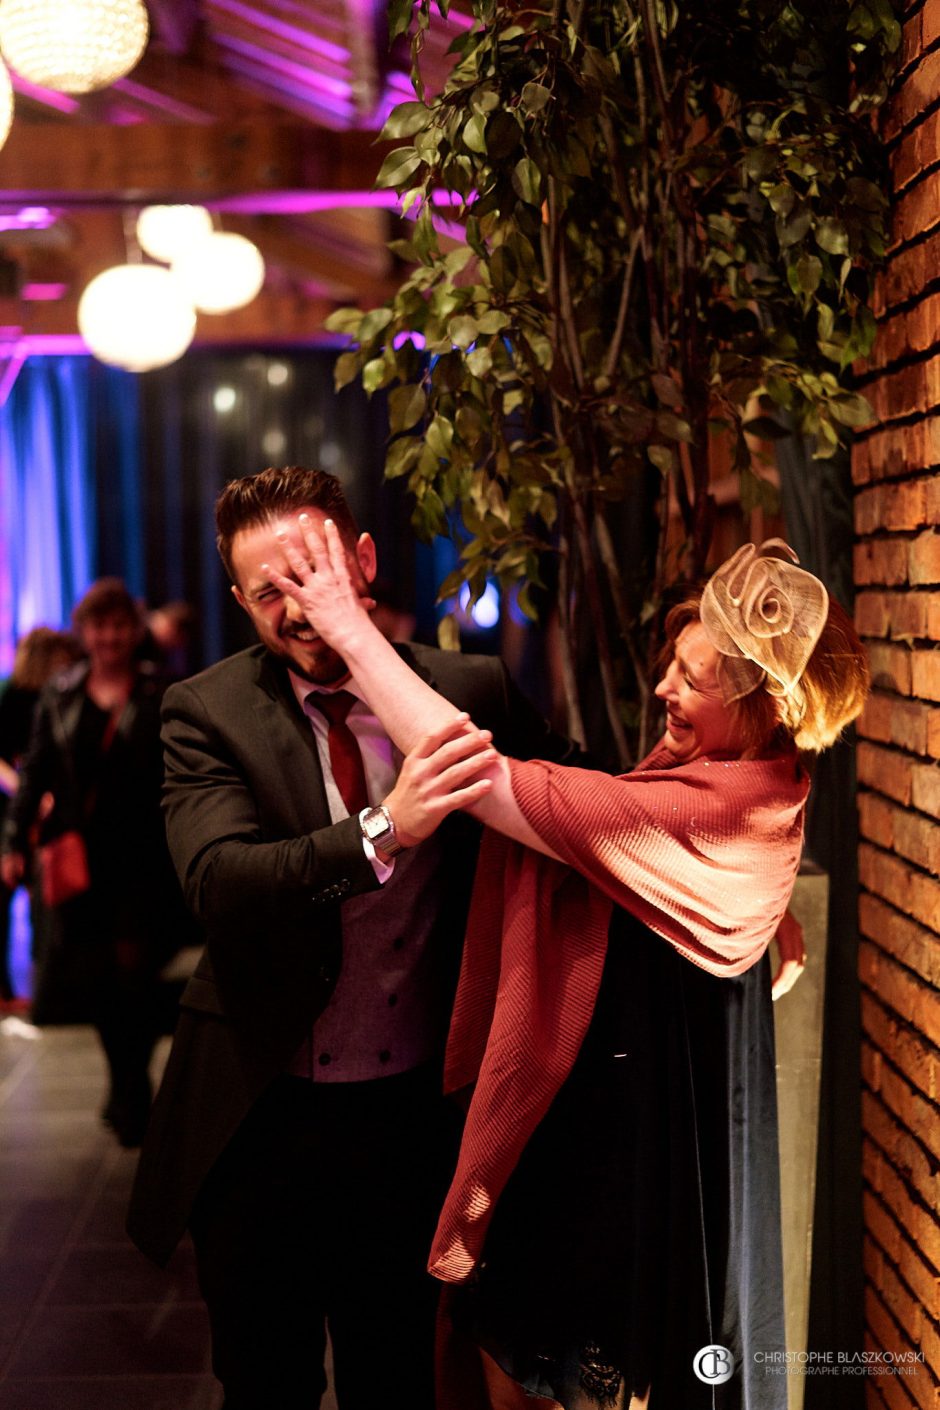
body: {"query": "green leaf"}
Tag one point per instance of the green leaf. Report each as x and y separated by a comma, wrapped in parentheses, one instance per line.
(534, 97)
(666, 390)
(790, 231)
(480, 361)
(344, 320)
(399, 18)
(782, 198)
(397, 167)
(765, 427)
(758, 493)
(662, 457)
(347, 367)
(474, 133)
(405, 407)
(439, 437)
(527, 181)
(760, 162)
(402, 454)
(463, 331)
(503, 269)
(474, 238)
(374, 322)
(807, 272)
(493, 321)
(851, 410)
(448, 633)
(503, 134)
(832, 236)
(405, 120)
(373, 375)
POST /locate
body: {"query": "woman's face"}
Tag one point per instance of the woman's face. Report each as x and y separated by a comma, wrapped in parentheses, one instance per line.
(110, 640)
(697, 719)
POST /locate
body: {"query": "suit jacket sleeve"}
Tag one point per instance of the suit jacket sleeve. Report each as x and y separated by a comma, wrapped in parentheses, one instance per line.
(232, 874)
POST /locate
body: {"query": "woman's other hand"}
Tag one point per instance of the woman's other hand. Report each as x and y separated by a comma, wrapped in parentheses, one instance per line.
(792, 955)
(12, 869)
(447, 770)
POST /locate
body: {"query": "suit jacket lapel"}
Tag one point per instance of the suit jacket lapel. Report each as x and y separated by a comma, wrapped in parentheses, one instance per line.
(287, 734)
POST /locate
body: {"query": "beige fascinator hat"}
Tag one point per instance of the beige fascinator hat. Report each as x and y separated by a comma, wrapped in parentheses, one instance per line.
(763, 615)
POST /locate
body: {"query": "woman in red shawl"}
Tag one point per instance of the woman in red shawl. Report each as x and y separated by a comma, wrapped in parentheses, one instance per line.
(612, 1230)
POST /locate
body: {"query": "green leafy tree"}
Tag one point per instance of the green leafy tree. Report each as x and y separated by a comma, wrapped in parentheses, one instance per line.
(670, 214)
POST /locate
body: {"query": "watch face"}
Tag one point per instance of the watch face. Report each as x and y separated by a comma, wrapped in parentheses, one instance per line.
(375, 824)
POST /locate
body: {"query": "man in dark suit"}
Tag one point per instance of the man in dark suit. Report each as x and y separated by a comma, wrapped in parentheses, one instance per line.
(300, 1132)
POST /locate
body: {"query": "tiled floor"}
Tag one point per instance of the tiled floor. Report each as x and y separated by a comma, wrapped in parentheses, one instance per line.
(86, 1323)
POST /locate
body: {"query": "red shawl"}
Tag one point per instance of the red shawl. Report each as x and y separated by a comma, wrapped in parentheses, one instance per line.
(704, 853)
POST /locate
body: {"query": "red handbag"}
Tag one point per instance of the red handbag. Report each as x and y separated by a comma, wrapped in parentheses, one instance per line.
(63, 868)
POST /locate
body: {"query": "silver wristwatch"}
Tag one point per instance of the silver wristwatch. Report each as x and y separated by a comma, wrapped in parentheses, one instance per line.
(379, 829)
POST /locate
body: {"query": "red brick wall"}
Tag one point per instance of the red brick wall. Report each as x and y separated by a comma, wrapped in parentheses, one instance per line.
(896, 469)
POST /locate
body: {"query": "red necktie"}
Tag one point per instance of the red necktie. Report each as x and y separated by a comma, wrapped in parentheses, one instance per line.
(345, 755)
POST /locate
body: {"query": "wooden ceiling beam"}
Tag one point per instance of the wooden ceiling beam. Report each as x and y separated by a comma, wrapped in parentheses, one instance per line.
(62, 164)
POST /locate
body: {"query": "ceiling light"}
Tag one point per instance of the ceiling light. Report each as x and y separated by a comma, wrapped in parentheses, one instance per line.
(72, 46)
(6, 103)
(167, 231)
(221, 272)
(136, 316)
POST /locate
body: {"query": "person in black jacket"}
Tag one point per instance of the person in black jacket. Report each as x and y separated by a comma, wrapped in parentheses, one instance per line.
(300, 1130)
(94, 766)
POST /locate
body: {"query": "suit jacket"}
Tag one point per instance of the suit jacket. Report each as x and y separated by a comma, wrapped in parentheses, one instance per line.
(265, 871)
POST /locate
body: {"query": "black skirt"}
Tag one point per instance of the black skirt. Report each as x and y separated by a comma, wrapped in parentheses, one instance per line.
(642, 1224)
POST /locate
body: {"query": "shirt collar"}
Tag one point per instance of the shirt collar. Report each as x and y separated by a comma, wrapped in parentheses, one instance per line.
(302, 688)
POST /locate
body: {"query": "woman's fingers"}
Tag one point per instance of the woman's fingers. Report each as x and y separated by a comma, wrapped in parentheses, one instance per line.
(458, 731)
(285, 585)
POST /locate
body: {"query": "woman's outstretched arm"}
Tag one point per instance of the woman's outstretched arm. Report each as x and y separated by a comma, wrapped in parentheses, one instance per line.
(408, 707)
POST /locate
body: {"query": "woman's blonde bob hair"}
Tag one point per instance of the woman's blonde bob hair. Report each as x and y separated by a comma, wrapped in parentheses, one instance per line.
(831, 691)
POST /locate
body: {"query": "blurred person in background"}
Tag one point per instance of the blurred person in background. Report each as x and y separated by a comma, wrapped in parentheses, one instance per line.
(95, 748)
(41, 654)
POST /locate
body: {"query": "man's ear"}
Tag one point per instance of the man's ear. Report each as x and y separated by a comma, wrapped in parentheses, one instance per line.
(239, 596)
(367, 557)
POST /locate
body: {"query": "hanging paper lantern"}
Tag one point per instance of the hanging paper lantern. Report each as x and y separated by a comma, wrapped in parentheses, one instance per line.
(222, 272)
(136, 316)
(167, 231)
(6, 103)
(73, 46)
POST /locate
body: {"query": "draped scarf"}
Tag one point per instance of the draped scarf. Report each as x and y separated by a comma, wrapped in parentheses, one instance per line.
(704, 853)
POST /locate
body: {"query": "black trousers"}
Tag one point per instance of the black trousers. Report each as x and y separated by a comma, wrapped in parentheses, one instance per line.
(319, 1214)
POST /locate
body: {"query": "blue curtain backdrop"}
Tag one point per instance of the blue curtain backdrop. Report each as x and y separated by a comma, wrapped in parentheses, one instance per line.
(48, 511)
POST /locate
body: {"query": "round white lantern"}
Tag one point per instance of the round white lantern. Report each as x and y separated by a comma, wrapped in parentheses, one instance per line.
(6, 103)
(136, 316)
(222, 272)
(73, 46)
(167, 231)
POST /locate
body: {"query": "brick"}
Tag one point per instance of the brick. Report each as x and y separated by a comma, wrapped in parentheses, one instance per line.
(913, 96)
(906, 889)
(911, 999)
(923, 554)
(930, 608)
(910, 944)
(872, 613)
(909, 1331)
(891, 667)
(902, 615)
(887, 771)
(918, 209)
(900, 1150)
(917, 838)
(883, 1034)
(925, 673)
(921, 1223)
(910, 724)
(907, 272)
(880, 561)
(912, 1268)
(876, 818)
(925, 788)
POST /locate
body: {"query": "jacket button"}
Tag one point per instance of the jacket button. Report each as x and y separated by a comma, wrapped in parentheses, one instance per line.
(324, 1059)
(384, 1055)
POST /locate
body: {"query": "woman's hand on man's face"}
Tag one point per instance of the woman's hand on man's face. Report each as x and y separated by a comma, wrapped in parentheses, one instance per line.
(322, 585)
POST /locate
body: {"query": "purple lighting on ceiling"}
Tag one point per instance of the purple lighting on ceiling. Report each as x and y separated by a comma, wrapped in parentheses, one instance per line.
(301, 75)
(47, 96)
(38, 293)
(27, 218)
(298, 38)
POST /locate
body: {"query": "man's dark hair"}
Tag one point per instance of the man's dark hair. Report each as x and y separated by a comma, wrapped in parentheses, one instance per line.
(257, 499)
